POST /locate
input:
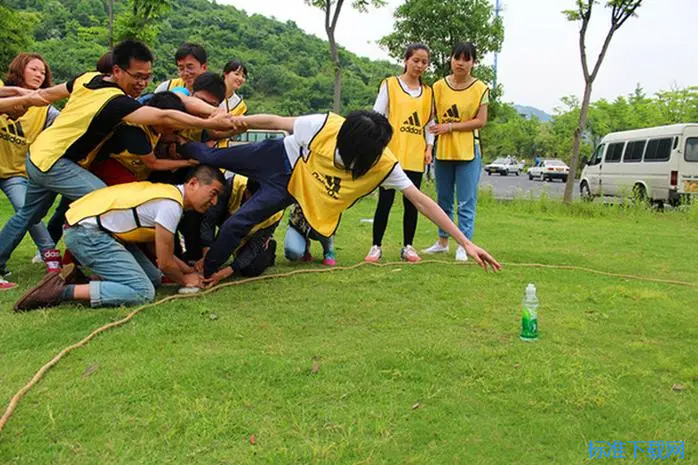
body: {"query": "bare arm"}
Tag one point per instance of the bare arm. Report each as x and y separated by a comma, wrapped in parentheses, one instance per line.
(158, 164)
(281, 123)
(176, 119)
(36, 98)
(196, 106)
(431, 210)
(476, 123)
(167, 262)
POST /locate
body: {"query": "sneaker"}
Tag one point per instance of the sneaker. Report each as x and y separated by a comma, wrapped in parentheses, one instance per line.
(461, 256)
(5, 285)
(436, 248)
(408, 254)
(37, 258)
(307, 256)
(374, 255)
(329, 258)
(52, 258)
(49, 291)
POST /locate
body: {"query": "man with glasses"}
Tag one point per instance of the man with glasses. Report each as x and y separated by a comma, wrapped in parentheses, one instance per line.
(58, 160)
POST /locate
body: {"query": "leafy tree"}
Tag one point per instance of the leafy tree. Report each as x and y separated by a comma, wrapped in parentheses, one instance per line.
(621, 10)
(16, 30)
(141, 21)
(331, 17)
(443, 23)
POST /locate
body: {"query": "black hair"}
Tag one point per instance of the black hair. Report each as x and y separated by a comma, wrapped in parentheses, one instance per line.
(361, 140)
(234, 65)
(128, 50)
(409, 51)
(195, 50)
(166, 101)
(105, 63)
(211, 83)
(464, 50)
(206, 175)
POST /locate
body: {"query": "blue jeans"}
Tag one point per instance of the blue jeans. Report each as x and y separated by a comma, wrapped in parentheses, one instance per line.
(128, 277)
(295, 244)
(464, 176)
(15, 188)
(65, 177)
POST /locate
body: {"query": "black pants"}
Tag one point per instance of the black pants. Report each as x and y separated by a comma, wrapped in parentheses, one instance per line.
(386, 197)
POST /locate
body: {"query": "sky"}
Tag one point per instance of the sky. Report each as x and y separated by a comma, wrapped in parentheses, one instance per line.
(540, 62)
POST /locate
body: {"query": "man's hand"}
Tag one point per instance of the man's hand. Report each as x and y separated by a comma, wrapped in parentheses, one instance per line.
(217, 276)
(193, 280)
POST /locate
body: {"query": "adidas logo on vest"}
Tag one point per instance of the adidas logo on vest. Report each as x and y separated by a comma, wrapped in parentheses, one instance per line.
(451, 114)
(412, 125)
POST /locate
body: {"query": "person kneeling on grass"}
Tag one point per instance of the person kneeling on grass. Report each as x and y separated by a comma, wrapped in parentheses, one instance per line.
(298, 237)
(257, 251)
(103, 231)
(325, 165)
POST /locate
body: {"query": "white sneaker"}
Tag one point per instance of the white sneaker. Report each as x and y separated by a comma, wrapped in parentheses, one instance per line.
(374, 255)
(436, 248)
(408, 254)
(461, 256)
(37, 258)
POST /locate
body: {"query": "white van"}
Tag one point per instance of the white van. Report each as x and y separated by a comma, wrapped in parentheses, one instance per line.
(660, 164)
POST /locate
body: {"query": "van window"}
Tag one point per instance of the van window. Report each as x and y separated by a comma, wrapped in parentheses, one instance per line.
(691, 152)
(658, 149)
(597, 156)
(614, 152)
(633, 151)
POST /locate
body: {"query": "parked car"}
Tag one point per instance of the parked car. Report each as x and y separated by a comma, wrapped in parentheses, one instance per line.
(257, 135)
(504, 166)
(658, 164)
(548, 170)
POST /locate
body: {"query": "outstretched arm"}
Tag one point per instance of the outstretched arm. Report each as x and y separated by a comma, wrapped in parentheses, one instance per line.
(36, 98)
(176, 119)
(431, 210)
(280, 123)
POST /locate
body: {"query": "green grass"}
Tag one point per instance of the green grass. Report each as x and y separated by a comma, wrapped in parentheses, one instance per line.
(413, 364)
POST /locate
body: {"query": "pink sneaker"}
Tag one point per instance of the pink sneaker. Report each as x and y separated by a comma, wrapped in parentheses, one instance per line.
(408, 254)
(374, 255)
(5, 285)
(52, 258)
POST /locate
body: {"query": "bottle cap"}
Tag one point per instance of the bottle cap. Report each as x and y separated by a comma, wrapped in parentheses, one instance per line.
(531, 289)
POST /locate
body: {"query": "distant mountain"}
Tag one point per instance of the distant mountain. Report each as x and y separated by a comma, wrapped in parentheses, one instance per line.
(532, 111)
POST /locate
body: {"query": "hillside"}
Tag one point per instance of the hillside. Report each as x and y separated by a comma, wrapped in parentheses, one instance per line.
(290, 71)
(528, 112)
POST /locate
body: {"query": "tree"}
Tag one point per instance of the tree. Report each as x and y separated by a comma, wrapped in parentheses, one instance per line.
(331, 18)
(16, 29)
(441, 24)
(141, 22)
(621, 10)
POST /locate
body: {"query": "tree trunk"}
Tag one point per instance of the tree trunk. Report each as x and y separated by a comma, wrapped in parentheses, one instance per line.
(337, 73)
(583, 111)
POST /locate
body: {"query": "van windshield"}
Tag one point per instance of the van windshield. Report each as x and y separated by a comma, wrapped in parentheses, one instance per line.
(691, 152)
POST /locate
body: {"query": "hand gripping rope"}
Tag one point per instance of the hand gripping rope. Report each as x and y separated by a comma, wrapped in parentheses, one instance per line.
(42, 371)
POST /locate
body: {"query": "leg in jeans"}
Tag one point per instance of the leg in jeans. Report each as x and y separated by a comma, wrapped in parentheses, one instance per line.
(327, 244)
(55, 224)
(295, 244)
(15, 188)
(409, 218)
(124, 281)
(445, 180)
(65, 177)
(467, 180)
(380, 218)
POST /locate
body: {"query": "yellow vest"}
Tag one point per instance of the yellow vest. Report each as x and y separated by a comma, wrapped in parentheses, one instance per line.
(15, 138)
(456, 106)
(82, 107)
(122, 197)
(322, 189)
(408, 116)
(134, 163)
(235, 201)
(238, 110)
(176, 82)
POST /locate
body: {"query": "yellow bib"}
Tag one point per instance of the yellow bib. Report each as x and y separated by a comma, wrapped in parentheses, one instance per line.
(238, 110)
(324, 190)
(134, 163)
(176, 82)
(235, 201)
(83, 106)
(15, 138)
(456, 106)
(122, 197)
(408, 116)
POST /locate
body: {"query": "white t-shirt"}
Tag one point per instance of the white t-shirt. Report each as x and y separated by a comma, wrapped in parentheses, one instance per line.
(305, 128)
(382, 104)
(230, 102)
(165, 212)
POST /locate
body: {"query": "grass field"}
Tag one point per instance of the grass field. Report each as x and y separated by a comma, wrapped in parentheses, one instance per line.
(393, 365)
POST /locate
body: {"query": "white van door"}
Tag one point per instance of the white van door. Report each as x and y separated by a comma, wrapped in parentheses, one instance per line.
(592, 171)
(688, 164)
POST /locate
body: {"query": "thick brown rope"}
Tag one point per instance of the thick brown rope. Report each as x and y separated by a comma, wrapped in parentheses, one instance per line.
(39, 374)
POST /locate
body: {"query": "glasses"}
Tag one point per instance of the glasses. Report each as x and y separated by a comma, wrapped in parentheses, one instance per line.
(138, 76)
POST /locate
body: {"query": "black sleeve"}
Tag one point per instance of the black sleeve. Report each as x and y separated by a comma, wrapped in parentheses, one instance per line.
(134, 139)
(71, 83)
(120, 106)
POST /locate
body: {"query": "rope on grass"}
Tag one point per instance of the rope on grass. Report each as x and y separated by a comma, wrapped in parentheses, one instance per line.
(42, 371)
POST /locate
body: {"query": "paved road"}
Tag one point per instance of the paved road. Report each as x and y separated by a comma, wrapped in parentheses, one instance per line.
(507, 187)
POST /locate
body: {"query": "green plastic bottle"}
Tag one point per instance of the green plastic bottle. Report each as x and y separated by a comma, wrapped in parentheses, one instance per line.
(529, 314)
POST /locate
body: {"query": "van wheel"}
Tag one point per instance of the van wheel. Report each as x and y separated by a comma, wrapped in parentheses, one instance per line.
(564, 179)
(639, 194)
(518, 173)
(585, 192)
(489, 173)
